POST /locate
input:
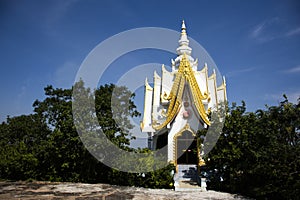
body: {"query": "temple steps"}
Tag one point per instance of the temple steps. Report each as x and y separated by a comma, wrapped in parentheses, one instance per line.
(186, 179)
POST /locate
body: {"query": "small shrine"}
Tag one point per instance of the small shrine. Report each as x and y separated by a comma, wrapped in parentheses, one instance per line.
(178, 105)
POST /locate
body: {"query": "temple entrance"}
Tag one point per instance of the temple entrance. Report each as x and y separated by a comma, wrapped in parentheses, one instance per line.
(186, 148)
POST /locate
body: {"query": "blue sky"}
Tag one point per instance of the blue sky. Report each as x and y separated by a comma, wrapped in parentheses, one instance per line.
(255, 44)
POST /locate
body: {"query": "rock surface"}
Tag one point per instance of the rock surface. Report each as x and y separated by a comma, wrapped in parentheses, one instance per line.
(82, 191)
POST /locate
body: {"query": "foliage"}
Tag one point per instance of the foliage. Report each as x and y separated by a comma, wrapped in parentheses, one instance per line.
(21, 138)
(161, 178)
(46, 145)
(258, 153)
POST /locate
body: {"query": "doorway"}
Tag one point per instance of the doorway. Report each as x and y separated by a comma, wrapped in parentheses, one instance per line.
(186, 150)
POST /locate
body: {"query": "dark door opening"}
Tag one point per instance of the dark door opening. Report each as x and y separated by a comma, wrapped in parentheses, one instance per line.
(186, 148)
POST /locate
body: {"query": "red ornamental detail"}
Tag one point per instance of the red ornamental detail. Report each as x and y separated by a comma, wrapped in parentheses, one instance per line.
(186, 114)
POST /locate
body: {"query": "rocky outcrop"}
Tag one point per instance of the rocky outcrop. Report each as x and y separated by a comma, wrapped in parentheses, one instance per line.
(82, 191)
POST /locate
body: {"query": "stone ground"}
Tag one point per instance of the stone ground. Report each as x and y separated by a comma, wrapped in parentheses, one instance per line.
(80, 191)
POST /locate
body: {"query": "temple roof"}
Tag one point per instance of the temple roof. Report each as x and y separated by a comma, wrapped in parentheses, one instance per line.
(184, 75)
(184, 84)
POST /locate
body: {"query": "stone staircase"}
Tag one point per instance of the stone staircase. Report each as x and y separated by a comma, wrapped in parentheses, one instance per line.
(186, 179)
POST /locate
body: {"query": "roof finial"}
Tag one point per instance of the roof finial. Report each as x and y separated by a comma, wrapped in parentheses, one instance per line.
(183, 28)
(183, 42)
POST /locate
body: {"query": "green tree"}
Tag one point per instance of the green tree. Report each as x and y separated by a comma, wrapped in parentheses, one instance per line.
(65, 157)
(114, 106)
(46, 145)
(20, 143)
(63, 146)
(258, 153)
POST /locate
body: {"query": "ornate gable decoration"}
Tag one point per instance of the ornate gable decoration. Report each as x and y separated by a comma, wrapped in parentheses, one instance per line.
(184, 75)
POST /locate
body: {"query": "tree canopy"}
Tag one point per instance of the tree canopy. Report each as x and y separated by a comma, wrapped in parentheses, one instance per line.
(46, 146)
(257, 154)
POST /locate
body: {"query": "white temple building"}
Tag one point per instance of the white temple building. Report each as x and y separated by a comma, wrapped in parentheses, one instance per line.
(178, 105)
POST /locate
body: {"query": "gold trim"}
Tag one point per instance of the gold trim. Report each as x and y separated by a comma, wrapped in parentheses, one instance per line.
(196, 93)
(201, 162)
(142, 124)
(163, 113)
(187, 127)
(175, 100)
(184, 75)
(164, 96)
